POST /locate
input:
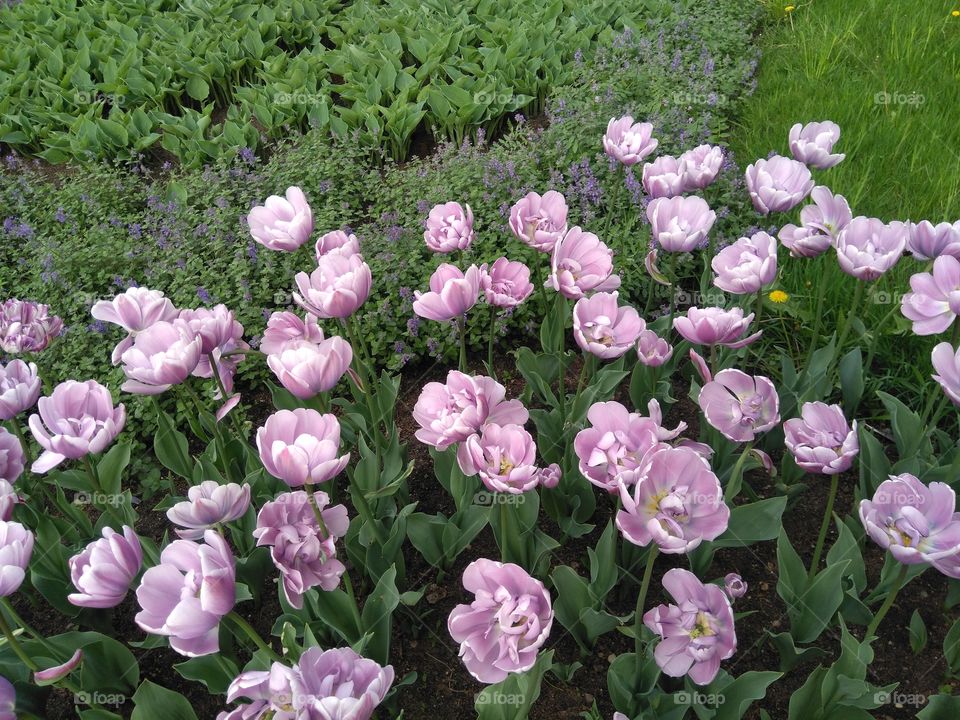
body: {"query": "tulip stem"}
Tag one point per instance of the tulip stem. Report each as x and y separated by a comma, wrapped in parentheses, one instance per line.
(875, 343)
(490, 343)
(845, 329)
(354, 608)
(817, 317)
(675, 286)
(311, 490)
(462, 328)
(641, 599)
(759, 307)
(824, 526)
(248, 630)
(18, 431)
(223, 396)
(108, 507)
(16, 646)
(888, 603)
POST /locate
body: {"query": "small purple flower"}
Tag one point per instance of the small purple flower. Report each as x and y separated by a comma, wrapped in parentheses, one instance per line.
(734, 586)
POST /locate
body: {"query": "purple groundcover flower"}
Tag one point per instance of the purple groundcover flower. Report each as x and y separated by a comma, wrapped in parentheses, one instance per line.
(934, 304)
(740, 406)
(207, 505)
(813, 144)
(746, 265)
(581, 264)
(821, 440)
(282, 223)
(103, 571)
(301, 446)
(604, 328)
(19, 388)
(538, 221)
(716, 326)
(947, 364)
(628, 142)
(26, 326)
(867, 248)
(778, 184)
(452, 293)
(928, 241)
(449, 228)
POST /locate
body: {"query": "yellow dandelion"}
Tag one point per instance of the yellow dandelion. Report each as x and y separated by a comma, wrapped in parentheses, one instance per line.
(778, 296)
(955, 13)
(789, 8)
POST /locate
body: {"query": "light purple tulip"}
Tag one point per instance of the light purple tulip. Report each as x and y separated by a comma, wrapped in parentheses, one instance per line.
(502, 630)
(301, 550)
(677, 502)
(551, 475)
(612, 449)
(134, 310)
(820, 224)
(452, 293)
(813, 144)
(449, 228)
(306, 369)
(270, 690)
(506, 283)
(337, 288)
(581, 264)
(11, 460)
(740, 406)
(8, 700)
(680, 224)
(700, 365)
(286, 329)
(76, 419)
(27, 326)
(745, 266)
(734, 586)
(16, 548)
(778, 184)
(58, 672)
(697, 633)
(19, 388)
(664, 177)
(947, 364)
(821, 440)
(604, 328)
(220, 335)
(337, 243)
(163, 355)
(301, 446)
(540, 222)
(282, 223)
(453, 411)
(867, 248)
(8, 495)
(928, 241)
(207, 505)
(504, 456)
(628, 142)
(716, 326)
(184, 597)
(653, 350)
(103, 571)
(701, 166)
(917, 523)
(934, 304)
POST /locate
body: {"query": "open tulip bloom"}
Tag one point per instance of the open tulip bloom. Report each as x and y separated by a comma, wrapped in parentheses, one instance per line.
(746, 265)
(778, 184)
(282, 223)
(813, 144)
(928, 241)
(628, 142)
(134, 310)
(538, 221)
(867, 247)
(820, 224)
(934, 304)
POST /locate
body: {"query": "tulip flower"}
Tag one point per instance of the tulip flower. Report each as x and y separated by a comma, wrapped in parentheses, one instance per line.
(813, 143)
(603, 328)
(449, 228)
(701, 166)
(452, 293)
(207, 505)
(821, 440)
(58, 672)
(8, 700)
(504, 456)
(551, 475)
(76, 419)
(740, 406)
(134, 310)
(286, 329)
(581, 264)
(628, 142)
(16, 548)
(821, 223)
(867, 248)
(928, 241)
(301, 446)
(303, 552)
(161, 356)
(337, 243)
(220, 334)
(337, 288)
(696, 633)
(8, 495)
(282, 223)
(506, 283)
(716, 326)
(611, 450)
(306, 369)
(27, 326)
(746, 265)
(103, 571)
(934, 304)
(538, 221)
(11, 458)
(947, 364)
(664, 177)
(19, 388)
(677, 502)
(653, 350)
(734, 586)
(505, 626)
(778, 184)
(680, 224)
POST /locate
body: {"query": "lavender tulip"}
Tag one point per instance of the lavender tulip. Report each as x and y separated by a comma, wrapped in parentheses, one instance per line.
(282, 223)
(867, 248)
(134, 310)
(27, 326)
(337, 288)
(603, 328)
(612, 449)
(821, 440)
(220, 337)
(8, 495)
(161, 356)
(934, 304)
(103, 571)
(653, 350)
(16, 548)
(207, 505)
(449, 228)
(746, 265)
(716, 326)
(337, 243)
(504, 456)
(947, 364)
(820, 224)
(306, 369)
(928, 241)
(8, 700)
(301, 446)
(734, 586)
(452, 293)
(580, 264)
(680, 224)
(11, 458)
(740, 406)
(813, 143)
(701, 166)
(697, 633)
(286, 329)
(628, 142)
(664, 177)
(77, 419)
(778, 184)
(502, 630)
(506, 283)
(19, 388)
(540, 222)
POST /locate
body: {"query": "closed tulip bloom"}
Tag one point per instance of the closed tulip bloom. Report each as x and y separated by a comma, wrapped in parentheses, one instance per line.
(603, 328)
(207, 505)
(337, 288)
(76, 419)
(935, 301)
(27, 326)
(19, 388)
(947, 364)
(551, 475)
(821, 440)
(746, 265)
(287, 329)
(301, 550)
(453, 411)
(581, 264)
(928, 241)
(184, 597)
(8, 700)
(306, 369)
(507, 623)
(696, 633)
(778, 184)
(820, 224)
(452, 293)
(338, 684)
(103, 571)
(676, 503)
(449, 228)
(628, 142)
(11, 459)
(664, 177)
(282, 223)
(506, 283)
(734, 586)
(813, 144)
(134, 310)
(163, 355)
(16, 548)
(740, 406)
(301, 446)
(8, 495)
(701, 166)
(716, 326)
(538, 221)
(337, 243)
(867, 248)
(504, 456)
(653, 350)
(612, 449)
(680, 224)
(917, 523)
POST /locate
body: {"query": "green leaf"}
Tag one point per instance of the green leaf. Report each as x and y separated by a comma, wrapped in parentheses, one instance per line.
(851, 378)
(941, 707)
(951, 647)
(111, 467)
(740, 694)
(153, 702)
(513, 698)
(216, 671)
(171, 448)
(753, 523)
(918, 633)
(377, 616)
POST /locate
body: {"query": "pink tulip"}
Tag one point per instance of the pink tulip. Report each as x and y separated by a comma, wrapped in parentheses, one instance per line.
(134, 310)
(286, 329)
(867, 248)
(813, 144)
(664, 177)
(934, 304)
(821, 223)
(821, 440)
(220, 335)
(505, 458)
(701, 166)
(928, 241)
(947, 364)
(27, 326)
(540, 222)
(103, 571)
(161, 356)
(337, 288)
(680, 224)
(306, 369)
(449, 228)
(746, 265)
(19, 388)
(603, 328)
(301, 446)
(337, 243)
(8, 700)
(16, 549)
(506, 283)
(580, 264)
(653, 350)
(628, 142)
(282, 223)
(452, 293)
(778, 184)
(734, 586)
(612, 449)
(716, 326)
(208, 505)
(8, 495)
(740, 406)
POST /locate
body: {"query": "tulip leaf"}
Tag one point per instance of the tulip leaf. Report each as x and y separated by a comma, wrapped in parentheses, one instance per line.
(153, 702)
(918, 633)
